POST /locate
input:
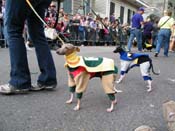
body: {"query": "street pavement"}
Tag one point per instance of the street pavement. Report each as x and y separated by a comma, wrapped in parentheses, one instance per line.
(47, 111)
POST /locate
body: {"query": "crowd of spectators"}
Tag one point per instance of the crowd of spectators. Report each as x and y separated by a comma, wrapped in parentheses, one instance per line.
(91, 30)
(87, 29)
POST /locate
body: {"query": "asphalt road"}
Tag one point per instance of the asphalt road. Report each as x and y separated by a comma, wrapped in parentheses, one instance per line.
(47, 111)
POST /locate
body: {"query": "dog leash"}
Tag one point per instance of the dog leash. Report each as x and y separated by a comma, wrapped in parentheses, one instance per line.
(47, 26)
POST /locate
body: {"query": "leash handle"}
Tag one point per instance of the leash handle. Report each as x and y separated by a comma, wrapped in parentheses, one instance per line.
(32, 8)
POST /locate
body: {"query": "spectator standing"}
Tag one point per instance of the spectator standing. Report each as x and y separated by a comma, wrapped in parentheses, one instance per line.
(75, 26)
(20, 79)
(172, 46)
(112, 18)
(135, 31)
(51, 15)
(165, 24)
(92, 34)
(147, 32)
(80, 10)
(107, 36)
(61, 12)
(155, 32)
(81, 29)
(65, 21)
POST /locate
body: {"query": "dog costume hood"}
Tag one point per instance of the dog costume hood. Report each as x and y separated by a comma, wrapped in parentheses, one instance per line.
(127, 55)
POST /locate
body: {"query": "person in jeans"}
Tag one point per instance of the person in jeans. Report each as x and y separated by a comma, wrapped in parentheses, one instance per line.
(20, 80)
(135, 31)
(165, 24)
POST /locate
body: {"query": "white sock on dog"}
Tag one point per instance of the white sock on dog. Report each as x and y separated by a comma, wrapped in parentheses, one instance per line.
(149, 86)
(120, 79)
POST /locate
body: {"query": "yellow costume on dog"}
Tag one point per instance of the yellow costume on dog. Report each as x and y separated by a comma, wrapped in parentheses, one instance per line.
(82, 69)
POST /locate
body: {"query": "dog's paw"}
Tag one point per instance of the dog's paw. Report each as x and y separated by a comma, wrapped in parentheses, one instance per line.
(118, 91)
(109, 110)
(112, 106)
(118, 81)
(68, 101)
(149, 88)
(76, 108)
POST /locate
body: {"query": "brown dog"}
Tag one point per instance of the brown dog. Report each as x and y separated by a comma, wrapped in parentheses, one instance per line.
(82, 69)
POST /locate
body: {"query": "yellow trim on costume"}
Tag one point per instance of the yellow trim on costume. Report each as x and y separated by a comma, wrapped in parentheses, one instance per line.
(148, 45)
(136, 61)
(72, 59)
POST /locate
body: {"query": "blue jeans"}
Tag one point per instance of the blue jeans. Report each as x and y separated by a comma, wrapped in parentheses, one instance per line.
(138, 34)
(163, 38)
(17, 12)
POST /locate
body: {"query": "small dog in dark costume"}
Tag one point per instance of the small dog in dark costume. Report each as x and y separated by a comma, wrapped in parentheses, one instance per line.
(130, 60)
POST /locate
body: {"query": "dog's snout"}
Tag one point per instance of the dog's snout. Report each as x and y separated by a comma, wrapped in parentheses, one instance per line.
(115, 51)
(60, 51)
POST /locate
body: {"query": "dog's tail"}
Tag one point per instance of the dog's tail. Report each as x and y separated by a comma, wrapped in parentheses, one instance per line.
(151, 67)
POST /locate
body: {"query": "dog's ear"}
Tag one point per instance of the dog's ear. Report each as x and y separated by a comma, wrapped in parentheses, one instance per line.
(116, 50)
(69, 46)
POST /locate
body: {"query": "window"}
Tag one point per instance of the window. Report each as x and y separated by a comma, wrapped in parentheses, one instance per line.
(67, 6)
(129, 17)
(87, 6)
(112, 8)
(121, 14)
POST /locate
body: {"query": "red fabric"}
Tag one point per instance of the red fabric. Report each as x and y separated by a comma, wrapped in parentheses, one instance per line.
(79, 70)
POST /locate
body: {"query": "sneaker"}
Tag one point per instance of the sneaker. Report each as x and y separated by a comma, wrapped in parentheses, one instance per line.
(172, 51)
(156, 55)
(9, 89)
(38, 87)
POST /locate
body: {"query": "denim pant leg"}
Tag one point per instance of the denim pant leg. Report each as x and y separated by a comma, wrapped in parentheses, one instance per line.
(14, 22)
(131, 38)
(138, 34)
(44, 57)
(160, 39)
(167, 41)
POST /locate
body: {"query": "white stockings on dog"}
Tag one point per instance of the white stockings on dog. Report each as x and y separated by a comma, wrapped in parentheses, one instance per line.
(112, 106)
(77, 107)
(120, 79)
(71, 99)
(149, 86)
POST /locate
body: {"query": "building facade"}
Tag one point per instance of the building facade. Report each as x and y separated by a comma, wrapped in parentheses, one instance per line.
(122, 9)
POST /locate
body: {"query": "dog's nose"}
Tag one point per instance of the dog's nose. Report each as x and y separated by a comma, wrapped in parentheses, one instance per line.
(57, 51)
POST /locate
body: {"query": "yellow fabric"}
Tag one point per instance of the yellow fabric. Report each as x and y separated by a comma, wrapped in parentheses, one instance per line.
(73, 61)
(148, 45)
(168, 24)
(108, 83)
(136, 61)
(81, 82)
(71, 81)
